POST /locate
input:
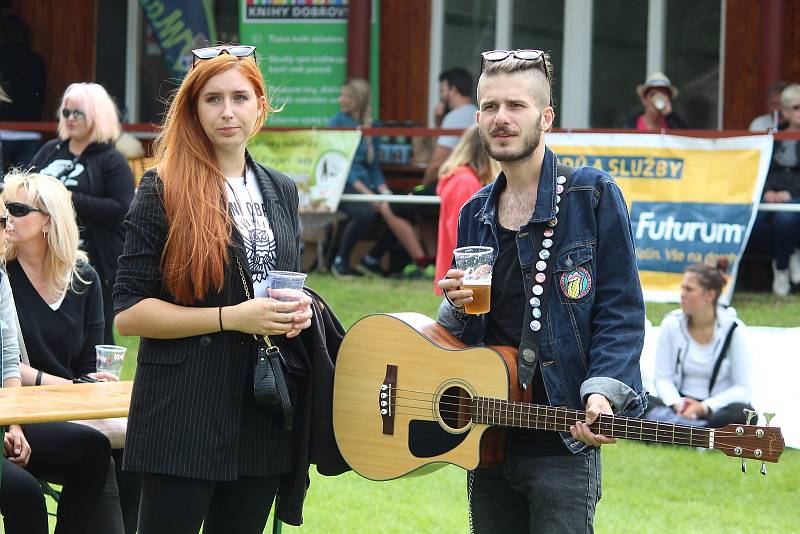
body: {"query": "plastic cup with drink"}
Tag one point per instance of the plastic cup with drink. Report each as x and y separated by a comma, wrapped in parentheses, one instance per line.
(285, 286)
(476, 262)
(110, 359)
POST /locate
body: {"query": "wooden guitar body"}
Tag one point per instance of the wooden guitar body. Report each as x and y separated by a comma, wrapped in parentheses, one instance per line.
(428, 428)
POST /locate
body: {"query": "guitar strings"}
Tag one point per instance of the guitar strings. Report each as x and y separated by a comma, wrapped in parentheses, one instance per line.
(618, 423)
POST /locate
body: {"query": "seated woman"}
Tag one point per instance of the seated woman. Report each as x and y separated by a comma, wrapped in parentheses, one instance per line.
(465, 171)
(782, 229)
(73, 455)
(703, 367)
(365, 175)
(60, 306)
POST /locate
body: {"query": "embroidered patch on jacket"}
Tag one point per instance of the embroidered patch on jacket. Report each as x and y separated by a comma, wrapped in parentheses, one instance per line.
(576, 284)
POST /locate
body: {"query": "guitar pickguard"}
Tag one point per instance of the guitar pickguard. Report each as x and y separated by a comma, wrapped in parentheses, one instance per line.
(427, 439)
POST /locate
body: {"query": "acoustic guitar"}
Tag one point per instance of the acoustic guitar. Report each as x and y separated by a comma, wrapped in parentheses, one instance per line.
(409, 397)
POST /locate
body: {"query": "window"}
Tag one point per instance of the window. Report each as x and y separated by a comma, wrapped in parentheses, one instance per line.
(469, 29)
(539, 24)
(619, 61)
(692, 59)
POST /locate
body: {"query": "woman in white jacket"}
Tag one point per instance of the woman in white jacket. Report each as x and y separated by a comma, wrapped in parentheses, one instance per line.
(703, 365)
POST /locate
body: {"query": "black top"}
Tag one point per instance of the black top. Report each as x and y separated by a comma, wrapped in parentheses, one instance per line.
(193, 412)
(23, 77)
(503, 328)
(102, 189)
(60, 342)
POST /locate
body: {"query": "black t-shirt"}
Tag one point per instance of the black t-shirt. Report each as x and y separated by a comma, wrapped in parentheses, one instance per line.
(504, 327)
(68, 168)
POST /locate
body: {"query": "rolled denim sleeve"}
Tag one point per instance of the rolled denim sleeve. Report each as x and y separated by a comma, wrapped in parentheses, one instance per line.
(618, 317)
(139, 269)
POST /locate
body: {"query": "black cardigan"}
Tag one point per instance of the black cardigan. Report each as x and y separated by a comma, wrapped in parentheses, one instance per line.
(100, 203)
(192, 410)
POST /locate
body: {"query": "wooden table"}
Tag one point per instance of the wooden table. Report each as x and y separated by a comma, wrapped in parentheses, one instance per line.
(64, 402)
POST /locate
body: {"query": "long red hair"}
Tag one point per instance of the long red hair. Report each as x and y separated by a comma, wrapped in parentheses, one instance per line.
(200, 226)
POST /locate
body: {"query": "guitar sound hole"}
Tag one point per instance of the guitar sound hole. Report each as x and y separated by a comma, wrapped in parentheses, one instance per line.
(454, 407)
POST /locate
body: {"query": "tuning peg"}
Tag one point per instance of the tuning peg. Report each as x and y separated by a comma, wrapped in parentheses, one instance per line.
(768, 416)
(749, 414)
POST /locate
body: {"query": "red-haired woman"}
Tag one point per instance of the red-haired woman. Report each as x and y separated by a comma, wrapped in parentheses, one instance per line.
(83, 157)
(205, 228)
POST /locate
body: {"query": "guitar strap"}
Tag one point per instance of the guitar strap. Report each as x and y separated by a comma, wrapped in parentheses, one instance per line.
(539, 281)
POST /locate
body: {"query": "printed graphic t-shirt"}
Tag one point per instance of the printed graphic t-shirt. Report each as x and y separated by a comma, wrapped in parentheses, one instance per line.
(66, 167)
(250, 215)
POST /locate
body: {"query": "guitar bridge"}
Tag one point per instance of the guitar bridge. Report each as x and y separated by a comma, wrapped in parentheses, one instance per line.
(387, 399)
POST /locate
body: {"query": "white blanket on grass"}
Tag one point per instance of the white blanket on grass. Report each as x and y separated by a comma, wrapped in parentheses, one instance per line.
(776, 380)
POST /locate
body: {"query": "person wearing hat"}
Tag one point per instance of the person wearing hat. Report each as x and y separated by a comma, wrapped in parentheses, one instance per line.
(656, 95)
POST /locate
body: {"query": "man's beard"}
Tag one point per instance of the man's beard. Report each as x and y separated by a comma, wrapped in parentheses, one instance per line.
(529, 143)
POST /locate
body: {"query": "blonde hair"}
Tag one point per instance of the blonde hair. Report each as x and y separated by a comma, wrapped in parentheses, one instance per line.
(101, 113)
(359, 89)
(470, 151)
(790, 93)
(63, 256)
(542, 86)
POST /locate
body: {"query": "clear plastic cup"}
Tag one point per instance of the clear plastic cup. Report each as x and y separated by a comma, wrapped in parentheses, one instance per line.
(477, 263)
(285, 285)
(110, 358)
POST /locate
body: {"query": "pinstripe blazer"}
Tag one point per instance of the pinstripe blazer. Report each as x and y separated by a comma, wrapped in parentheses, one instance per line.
(192, 408)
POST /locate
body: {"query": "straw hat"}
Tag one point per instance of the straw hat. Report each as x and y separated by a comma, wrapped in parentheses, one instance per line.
(657, 79)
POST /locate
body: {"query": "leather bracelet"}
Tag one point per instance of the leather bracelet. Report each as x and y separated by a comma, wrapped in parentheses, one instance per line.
(221, 328)
(39, 375)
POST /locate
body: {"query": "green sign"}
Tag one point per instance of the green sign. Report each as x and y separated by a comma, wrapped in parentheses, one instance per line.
(303, 54)
(317, 160)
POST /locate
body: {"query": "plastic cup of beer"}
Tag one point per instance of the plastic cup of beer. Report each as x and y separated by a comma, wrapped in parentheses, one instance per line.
(110, 358)
(285, 286)
(476, 262)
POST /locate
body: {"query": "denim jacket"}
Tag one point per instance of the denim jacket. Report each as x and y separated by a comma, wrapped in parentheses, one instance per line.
(589, 344)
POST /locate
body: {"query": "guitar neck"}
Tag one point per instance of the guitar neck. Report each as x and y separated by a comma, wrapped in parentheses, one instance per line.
(497, 412)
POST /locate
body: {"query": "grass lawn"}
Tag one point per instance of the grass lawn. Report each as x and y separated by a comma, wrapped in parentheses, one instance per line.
(646, 488)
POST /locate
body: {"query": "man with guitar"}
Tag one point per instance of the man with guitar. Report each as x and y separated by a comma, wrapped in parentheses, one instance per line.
(565, 290)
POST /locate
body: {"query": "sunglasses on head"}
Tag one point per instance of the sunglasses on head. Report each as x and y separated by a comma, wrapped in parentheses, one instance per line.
(534, 56)
(209, 52)
(18, 209)
(76, 113)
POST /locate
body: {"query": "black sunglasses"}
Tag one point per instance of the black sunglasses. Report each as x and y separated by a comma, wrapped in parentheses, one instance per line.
(796, 107)
(239, 51)
(76, 114)
(18, 209)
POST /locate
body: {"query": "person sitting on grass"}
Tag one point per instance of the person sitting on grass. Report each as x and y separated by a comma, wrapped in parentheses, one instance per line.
(703, 364)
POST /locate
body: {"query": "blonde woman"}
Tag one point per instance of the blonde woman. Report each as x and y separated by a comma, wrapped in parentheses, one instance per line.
(97, 175)
(59, 303)
(365, 176)
(464, 172)
(74, 455)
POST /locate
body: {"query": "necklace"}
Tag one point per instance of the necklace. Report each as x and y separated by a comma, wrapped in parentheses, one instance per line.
(253, 234)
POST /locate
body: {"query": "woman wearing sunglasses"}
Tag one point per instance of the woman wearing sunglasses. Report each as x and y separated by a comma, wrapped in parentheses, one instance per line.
(205, 227)
(97, 175)
(60, 308)
(75, 456)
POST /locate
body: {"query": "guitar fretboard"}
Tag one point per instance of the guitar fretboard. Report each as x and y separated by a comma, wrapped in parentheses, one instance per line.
(535, 416)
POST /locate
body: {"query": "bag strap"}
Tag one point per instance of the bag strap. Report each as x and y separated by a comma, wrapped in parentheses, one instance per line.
(722, 354)
(531, 337)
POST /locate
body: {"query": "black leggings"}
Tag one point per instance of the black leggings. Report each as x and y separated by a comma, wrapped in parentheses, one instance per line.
(179, 505)
(361, 216)
(72, 455)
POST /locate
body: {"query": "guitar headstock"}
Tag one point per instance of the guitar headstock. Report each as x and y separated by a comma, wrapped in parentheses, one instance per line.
(750, 442)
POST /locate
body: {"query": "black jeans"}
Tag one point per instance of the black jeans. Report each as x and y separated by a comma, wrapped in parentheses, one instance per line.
(179, 505)
(361, 215)
(72, 455)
